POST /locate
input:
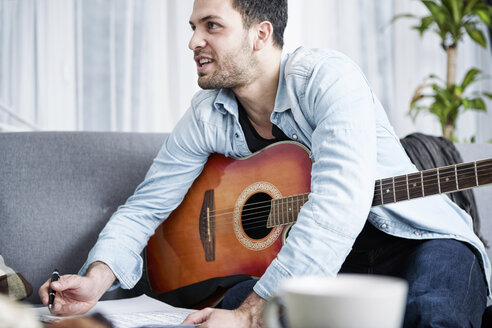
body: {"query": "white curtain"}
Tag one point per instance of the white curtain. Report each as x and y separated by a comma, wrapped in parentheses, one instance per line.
(124, 65)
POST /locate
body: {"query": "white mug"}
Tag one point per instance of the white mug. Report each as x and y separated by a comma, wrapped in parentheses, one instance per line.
(345, 301)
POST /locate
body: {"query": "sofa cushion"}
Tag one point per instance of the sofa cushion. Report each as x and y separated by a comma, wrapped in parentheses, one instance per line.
(12, 283)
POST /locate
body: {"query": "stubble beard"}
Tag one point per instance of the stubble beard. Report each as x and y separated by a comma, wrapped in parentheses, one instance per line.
(233, 70)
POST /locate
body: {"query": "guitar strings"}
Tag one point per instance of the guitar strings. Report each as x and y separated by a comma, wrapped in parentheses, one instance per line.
(465, 173)
(219, 212)
(255, 222)
(482, 167)
(252, 216)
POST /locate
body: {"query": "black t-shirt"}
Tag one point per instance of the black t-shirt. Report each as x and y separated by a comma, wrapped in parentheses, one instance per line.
(253, 139)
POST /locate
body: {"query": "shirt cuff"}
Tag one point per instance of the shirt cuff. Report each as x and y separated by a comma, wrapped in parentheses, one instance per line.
(127, 268)
(269, 282)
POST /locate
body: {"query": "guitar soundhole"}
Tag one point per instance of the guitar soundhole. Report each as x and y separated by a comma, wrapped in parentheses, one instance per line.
(254, 216)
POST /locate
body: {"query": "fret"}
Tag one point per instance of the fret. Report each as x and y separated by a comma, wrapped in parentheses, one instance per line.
(476, 174)
(456, 177)
(387, 191)
(281, 218)
(438, 181)
(298, 208)
(291, 209)
(484, 168)
(408, 190)
(447, 179)
(394, 194)
(401, 188)
(431, 182)
(466, 175)
(295, 210)
(414, 185)
(422, 182)
(381, 190)
(377, 194)
(287, 211)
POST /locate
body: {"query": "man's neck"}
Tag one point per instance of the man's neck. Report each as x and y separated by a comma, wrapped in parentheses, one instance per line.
(258, 97)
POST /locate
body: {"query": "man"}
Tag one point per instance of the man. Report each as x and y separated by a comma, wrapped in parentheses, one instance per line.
(258, 96)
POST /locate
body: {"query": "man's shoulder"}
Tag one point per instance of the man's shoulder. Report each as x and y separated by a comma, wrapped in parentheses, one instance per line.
(304, 60)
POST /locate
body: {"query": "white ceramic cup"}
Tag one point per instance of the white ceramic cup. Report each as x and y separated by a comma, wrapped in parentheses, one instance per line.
(345, 301)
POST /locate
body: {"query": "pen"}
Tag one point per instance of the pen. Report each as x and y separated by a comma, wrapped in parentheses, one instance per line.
(54, 277)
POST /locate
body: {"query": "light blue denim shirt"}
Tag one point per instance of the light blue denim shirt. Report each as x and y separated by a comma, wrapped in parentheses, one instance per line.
(325, 102)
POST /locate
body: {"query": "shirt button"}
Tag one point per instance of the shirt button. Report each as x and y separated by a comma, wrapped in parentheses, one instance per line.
(236, 135)
(383, 226)
(294, 136)
(416, 233)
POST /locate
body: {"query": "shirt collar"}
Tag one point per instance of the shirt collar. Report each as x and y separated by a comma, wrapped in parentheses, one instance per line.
(226, 102)
(282, 100)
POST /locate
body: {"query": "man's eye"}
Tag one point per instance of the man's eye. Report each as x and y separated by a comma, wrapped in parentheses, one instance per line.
(212, 25)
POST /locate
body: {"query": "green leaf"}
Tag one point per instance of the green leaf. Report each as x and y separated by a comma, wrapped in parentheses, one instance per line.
(476, 35)
(425, 22)
(396, 17)
(439, 13)
(470, 6)
(470, 77)
(487, 94)
(484, 16)
(477, 104)
(455, 7)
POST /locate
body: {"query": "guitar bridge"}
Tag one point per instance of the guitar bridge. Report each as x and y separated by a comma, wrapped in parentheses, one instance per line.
(207, 225)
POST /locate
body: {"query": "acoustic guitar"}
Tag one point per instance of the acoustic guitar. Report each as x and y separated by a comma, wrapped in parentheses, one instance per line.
(236, 215)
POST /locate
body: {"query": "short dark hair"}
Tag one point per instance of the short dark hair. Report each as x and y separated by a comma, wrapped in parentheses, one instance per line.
(256, 11)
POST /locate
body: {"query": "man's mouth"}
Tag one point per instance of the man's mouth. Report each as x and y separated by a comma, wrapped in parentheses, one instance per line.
(204, 61)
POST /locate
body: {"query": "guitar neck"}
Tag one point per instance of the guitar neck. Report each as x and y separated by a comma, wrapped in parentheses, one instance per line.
(404, 187)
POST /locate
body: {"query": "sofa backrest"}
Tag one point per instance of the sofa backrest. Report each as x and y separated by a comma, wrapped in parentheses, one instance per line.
(58, 189)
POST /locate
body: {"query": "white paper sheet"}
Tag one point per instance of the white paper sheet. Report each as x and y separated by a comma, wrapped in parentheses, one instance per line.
(132, 312)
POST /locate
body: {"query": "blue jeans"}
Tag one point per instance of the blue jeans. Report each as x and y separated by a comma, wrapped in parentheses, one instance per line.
(447, 287)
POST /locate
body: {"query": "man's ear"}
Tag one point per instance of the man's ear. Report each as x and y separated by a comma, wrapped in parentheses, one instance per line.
(263, 35)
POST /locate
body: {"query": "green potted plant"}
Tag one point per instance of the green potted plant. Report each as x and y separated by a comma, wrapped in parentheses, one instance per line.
(451, 20)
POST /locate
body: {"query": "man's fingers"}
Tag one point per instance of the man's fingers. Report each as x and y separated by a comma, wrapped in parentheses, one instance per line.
(67, 308)
(43, 292)
(69, 281)
(197, 317)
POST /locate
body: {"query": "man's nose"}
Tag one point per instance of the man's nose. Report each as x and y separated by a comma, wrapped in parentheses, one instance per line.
(197, 41)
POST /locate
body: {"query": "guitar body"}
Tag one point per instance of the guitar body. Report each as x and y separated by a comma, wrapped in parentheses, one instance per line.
(219, 229)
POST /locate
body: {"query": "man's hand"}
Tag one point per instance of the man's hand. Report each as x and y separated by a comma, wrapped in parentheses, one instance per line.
(247, 315)
(76, 294)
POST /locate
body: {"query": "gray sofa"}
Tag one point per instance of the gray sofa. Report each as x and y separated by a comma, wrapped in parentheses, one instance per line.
(57, 190)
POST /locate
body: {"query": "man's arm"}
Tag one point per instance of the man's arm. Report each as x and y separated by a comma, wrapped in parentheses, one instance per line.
(122, 240)
(247, 315)
(78, 294)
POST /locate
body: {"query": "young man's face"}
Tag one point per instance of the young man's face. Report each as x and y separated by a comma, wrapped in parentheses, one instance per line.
(222, 48)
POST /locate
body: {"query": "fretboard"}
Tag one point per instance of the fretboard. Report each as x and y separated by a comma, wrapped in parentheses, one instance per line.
(403, 187)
